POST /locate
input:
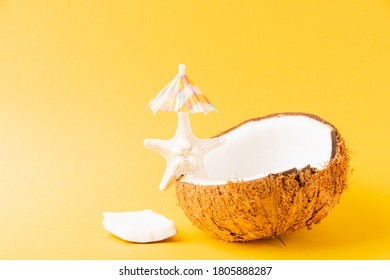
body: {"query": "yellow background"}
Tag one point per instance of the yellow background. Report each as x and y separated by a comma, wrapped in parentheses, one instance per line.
(76, 76)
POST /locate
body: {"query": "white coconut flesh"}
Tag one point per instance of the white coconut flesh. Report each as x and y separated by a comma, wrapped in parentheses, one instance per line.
(270, 145)
(139, 226)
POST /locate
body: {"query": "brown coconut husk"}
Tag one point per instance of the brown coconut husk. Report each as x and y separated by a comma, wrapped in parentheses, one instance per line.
(271, 206)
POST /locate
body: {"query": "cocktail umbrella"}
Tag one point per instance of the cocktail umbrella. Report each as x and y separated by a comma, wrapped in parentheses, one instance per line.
(184, 153)
(181, 95)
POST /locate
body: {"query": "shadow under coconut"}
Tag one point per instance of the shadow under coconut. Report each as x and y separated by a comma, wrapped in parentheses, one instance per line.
(172, 239)
(357, 228)
(360, 218)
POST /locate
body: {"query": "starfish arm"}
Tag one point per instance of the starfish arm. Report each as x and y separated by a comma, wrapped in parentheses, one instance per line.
(207, 145)
(171, 171)
(163, 147)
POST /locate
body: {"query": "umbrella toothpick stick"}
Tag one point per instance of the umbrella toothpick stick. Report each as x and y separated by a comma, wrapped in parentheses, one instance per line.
(184, 153)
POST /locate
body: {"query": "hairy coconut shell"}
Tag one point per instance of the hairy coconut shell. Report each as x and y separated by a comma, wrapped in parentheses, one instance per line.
(270, 206)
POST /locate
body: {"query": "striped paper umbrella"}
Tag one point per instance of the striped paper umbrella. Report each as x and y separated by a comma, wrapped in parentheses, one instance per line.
(181, 95)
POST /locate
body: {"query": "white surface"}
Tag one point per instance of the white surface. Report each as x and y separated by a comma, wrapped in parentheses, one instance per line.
(258, 148)
(192, 269)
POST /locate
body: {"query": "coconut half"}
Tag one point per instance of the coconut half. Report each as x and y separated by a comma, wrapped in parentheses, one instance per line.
(274, 175)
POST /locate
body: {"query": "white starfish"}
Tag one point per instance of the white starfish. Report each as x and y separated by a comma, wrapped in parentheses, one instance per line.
(184, 153)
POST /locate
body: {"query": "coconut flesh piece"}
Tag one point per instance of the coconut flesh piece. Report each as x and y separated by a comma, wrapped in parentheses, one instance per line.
(275, 144)
(274, 175)
(139, 226)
